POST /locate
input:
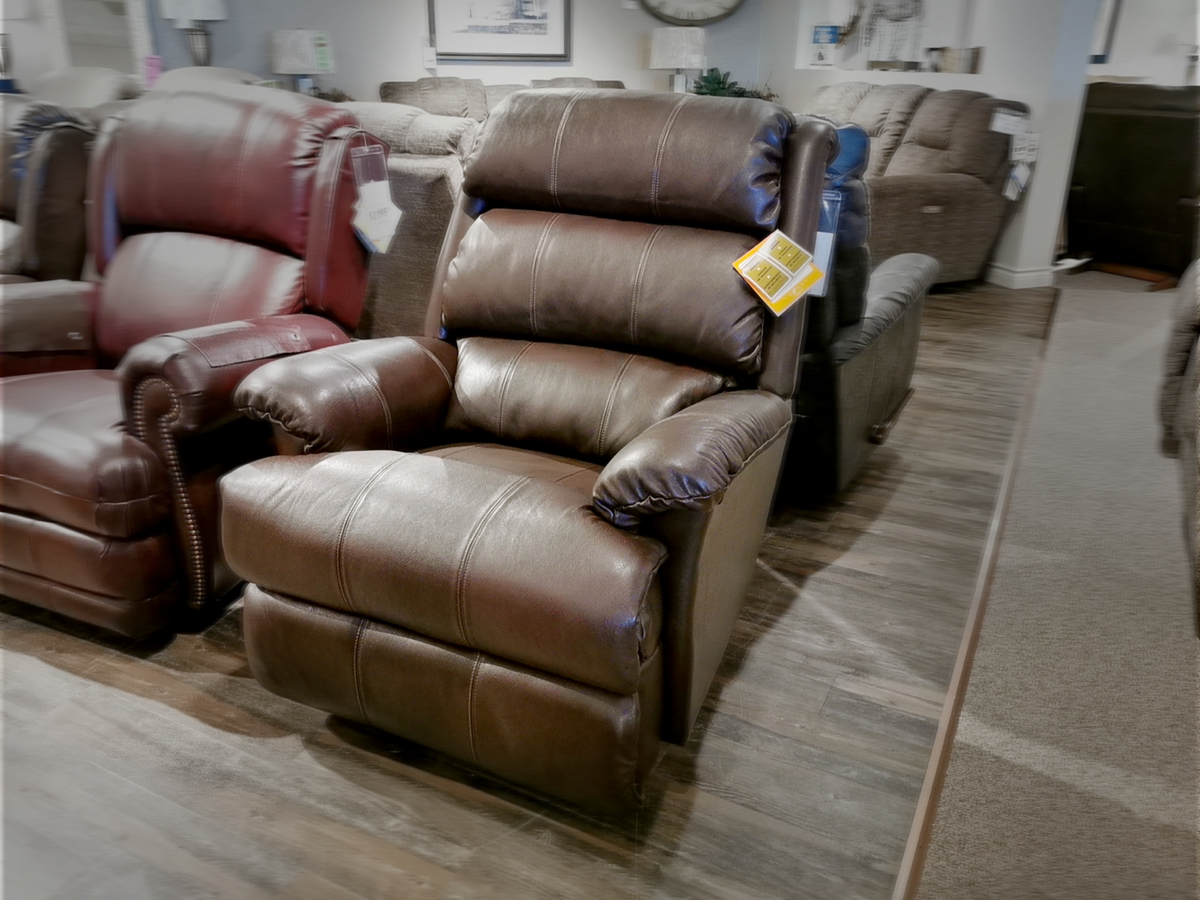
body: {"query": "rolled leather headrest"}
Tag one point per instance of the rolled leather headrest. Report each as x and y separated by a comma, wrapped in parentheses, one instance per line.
(684, 159)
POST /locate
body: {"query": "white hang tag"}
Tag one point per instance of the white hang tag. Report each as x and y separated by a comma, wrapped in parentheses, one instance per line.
(1007, 121)
(1025, 147)
(375, 215)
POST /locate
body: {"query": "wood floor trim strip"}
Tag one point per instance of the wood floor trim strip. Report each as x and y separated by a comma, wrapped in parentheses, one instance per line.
(908, 878)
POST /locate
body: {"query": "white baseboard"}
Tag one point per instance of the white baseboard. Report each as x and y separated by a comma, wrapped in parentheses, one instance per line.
(1015, 279)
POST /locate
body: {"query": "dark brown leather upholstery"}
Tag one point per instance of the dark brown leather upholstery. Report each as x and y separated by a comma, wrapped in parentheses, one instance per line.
(545, 588)
(223, 218)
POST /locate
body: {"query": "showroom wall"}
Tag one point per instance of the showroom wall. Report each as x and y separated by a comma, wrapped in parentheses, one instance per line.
(1035, 51)
(383, 40)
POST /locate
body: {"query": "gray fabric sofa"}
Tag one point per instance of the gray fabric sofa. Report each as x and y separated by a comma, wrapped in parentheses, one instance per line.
(470, 97)
(425, 166)
(937, 169)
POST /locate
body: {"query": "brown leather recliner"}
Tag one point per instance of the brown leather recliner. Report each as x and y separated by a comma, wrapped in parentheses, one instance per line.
(224, 213)
(525, 543)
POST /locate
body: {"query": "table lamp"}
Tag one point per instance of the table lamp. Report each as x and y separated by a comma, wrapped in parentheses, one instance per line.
(190, 15)
(301, 52)
(678, 49)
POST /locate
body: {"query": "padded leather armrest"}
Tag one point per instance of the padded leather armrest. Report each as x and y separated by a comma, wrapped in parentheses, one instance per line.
(686, 461)
(893, 289)
(189, 376)
(388, 393)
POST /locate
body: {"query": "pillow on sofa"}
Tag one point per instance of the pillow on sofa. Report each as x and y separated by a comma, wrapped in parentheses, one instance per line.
(408, 129)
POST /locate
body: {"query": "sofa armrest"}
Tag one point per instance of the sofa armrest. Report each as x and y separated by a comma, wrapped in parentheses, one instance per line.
(407, 129)
(187, 378)
(688, 460)
(389, 393)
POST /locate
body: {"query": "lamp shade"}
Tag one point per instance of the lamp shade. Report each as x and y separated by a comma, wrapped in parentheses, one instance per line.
(185, 12)
(300, 51)
(677, 48)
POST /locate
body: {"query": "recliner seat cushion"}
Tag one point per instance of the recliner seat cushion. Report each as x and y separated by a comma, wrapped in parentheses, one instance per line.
(71, 460)
(490, 561)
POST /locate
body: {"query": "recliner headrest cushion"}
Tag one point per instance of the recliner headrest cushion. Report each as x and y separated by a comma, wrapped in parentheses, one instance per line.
(685, 159)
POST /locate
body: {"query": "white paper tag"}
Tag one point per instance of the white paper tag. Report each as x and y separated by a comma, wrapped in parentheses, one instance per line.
(1006, 121)
(1025, 147)
(375, 215)
(1018, 177)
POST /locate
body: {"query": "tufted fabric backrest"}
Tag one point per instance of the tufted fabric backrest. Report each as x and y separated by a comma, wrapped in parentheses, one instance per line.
(951, 132)
(883, 111)
(588, 278)
(231, 202)
(445, 95)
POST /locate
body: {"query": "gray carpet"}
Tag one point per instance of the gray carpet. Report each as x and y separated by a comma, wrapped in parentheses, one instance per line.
(1074, 769)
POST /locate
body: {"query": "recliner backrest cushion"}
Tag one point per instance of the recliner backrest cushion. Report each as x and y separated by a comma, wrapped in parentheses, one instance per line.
(217, 162)
(208, 170)
(665, 290)
(951, 132)
(612, 271)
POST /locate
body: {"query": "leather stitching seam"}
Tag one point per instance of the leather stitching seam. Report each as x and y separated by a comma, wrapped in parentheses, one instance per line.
(373, 379)
(508, 374)
(340, 547)
(533, 274)
(460, 581)
(558, 139)
(661, 152)
(471, 706)
(638, 279)
(356, 670)
(608, 407)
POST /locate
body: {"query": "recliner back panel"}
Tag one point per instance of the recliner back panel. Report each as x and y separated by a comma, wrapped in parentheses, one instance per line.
(666, 290)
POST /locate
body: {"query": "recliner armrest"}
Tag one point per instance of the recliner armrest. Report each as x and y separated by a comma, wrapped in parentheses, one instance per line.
(893, 289)
(387, 393)
(188, 377)
(688, 460)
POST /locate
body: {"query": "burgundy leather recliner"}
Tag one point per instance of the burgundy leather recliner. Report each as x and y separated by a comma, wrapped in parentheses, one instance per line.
(221, 222)
(524, 541)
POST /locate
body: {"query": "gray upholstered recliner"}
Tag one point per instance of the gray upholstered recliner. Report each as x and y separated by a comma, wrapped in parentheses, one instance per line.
(937, 170)
(860, 348)
(524, 539)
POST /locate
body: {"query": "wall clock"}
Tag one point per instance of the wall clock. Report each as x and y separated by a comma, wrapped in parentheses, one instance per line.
(691, 12)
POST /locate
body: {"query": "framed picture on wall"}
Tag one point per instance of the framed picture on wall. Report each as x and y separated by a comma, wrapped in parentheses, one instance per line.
(516, 30)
